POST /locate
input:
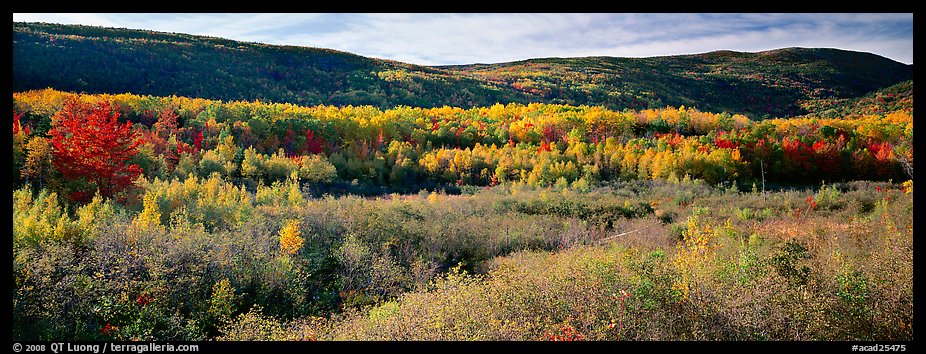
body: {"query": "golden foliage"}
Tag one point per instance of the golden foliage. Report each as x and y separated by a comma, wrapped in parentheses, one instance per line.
(290, 238)
(150, 216)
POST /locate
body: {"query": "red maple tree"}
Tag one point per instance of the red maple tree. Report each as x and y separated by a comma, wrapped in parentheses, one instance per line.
(723, 141)
(17, 127)
(314, 144)
(91, 145)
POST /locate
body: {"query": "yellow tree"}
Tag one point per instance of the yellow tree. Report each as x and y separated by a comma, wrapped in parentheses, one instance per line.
(150, 217)
(20, 135)
(38, 162)
(291, 238)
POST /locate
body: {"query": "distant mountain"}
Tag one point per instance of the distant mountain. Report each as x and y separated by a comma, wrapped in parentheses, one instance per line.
(760, 84)
(108, 60)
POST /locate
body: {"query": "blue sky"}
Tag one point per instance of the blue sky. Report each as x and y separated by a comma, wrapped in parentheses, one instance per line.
(447, 38)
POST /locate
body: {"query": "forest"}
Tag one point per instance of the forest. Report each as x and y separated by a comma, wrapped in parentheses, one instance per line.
(140, 217)
(771, 84)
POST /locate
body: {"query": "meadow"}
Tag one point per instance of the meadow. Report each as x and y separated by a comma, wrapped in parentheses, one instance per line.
(636, 261)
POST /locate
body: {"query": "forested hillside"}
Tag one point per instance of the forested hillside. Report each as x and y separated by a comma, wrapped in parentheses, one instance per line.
(893, 98)
(760, 85)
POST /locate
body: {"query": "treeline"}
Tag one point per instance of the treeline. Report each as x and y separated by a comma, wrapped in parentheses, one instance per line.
(535, 144)
(766, 84)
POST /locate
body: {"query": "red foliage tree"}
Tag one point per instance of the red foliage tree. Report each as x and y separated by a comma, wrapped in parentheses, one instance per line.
(314, 144)
(289, 143)
(673, 139)
(723, 141)
(17, 126)
(167, 125)
(881, 151)
(827, 158)
(551, 133)
(91, 145)
(797, 156)
(380, 139)
(198, 140)
(544, 146)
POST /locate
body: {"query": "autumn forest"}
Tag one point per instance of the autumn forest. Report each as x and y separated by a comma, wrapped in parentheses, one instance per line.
(140, 216)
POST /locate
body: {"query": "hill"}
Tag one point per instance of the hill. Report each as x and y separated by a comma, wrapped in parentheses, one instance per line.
(760, 84)
(109, 60)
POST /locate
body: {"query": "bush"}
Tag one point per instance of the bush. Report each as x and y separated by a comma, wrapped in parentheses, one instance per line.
(500, 264)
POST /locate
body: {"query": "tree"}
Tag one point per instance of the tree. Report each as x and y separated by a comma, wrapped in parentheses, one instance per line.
(20, 136)
(91, 146)
(315, 144)
(38, 159)
(291, 238)
(315, 169)
(167, 125)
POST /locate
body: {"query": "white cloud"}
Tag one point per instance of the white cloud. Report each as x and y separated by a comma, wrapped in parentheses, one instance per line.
(65, 18)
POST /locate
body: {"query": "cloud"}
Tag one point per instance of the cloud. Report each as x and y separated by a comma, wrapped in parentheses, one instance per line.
(439, 39)
(65, 18)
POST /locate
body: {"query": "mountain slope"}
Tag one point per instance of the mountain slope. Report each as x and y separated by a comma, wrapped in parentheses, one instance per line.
(97, 60)
(897, 97)
(759, 84)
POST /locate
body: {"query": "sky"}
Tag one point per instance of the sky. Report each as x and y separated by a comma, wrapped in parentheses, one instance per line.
(468, 38)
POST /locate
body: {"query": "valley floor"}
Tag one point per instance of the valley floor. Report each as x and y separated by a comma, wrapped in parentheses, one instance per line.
(628, 261)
